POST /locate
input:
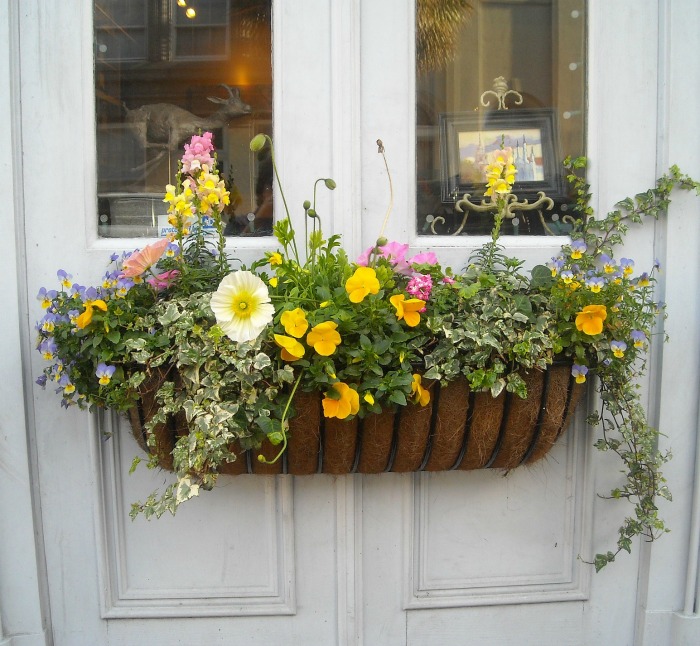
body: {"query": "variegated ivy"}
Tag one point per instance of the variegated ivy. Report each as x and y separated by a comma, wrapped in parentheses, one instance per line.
(228, 393)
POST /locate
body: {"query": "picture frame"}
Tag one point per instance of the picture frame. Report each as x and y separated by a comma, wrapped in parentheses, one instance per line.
(466, 139)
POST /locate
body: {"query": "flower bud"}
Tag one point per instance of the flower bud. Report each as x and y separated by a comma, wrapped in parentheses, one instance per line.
(306, 205)
(381, 241)
(257, 143)
(312, 213)
(330, 184)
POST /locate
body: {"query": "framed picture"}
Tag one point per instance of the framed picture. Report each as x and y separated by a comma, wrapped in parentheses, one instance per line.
(468, 139)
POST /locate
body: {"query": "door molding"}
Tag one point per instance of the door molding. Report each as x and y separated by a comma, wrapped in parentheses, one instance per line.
(547, 572)
(257, 544)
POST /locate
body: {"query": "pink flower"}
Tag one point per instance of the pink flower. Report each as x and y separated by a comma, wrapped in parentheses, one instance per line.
(363, 259)
(426, 258)
(448, 280)
(420, 286)
(197, 153)
(164, 280)
(394, 252)
(140, 261)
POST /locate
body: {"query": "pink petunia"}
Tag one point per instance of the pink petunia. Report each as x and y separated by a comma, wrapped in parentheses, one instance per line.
(363, 259)
(394, 252)
(425, 258)
(164, 280)
(140, 261)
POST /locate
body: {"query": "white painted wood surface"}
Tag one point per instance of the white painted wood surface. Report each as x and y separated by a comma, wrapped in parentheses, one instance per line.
(377, 560)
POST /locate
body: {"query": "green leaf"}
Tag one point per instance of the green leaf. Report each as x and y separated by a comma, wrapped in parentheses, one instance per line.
(541, 277)
(134, 463)
(523, 303)
(267, 425)
(601, 560)
(171, 315)
(275, 437)
(497, 387)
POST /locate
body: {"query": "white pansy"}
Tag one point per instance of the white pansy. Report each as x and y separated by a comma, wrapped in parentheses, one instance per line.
(241, 305)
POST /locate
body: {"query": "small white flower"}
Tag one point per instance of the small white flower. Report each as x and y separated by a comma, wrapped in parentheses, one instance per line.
(242, 306)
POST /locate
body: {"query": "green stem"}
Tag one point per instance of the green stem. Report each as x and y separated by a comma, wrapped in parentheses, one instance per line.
(391, 190)
(261, 457)
(284, 199)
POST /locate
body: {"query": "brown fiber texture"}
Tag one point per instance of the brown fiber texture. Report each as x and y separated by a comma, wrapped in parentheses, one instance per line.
(450, 425)
(304, 435)
(455, 430)
(376, 436)
(412, 439)
(484, 423)
(339, 443)
(558, 415)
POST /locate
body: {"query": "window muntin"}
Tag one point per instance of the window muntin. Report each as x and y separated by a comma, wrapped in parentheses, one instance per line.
(462, 47)
(161, 75)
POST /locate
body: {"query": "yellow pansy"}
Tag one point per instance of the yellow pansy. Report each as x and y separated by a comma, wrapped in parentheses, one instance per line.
(291, 348)
(590, 319)
(407, 309)
(420, 395)
(86, 317)
(294, 322)
(347, 404)
(324, 338)
(364, 281)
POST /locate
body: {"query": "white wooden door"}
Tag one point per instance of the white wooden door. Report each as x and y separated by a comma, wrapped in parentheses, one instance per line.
(392, 559)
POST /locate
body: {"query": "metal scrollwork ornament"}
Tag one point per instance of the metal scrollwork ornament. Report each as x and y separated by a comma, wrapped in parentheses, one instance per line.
(500, 92)
(509, 206)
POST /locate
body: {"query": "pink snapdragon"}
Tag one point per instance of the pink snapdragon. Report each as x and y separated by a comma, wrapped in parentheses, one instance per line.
(197, 153)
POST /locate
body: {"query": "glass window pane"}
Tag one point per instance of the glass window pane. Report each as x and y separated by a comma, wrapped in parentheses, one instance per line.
(492, 74)
(164, 71)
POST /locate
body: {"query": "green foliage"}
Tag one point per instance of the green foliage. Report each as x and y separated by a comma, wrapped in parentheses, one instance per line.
(360, 333)
(631, 318)
(490, 326)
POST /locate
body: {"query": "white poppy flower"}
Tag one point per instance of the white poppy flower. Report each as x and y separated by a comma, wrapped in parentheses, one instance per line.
(241, 305)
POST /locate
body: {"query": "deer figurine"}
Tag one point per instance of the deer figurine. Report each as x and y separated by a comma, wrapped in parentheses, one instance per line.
(164, 125)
